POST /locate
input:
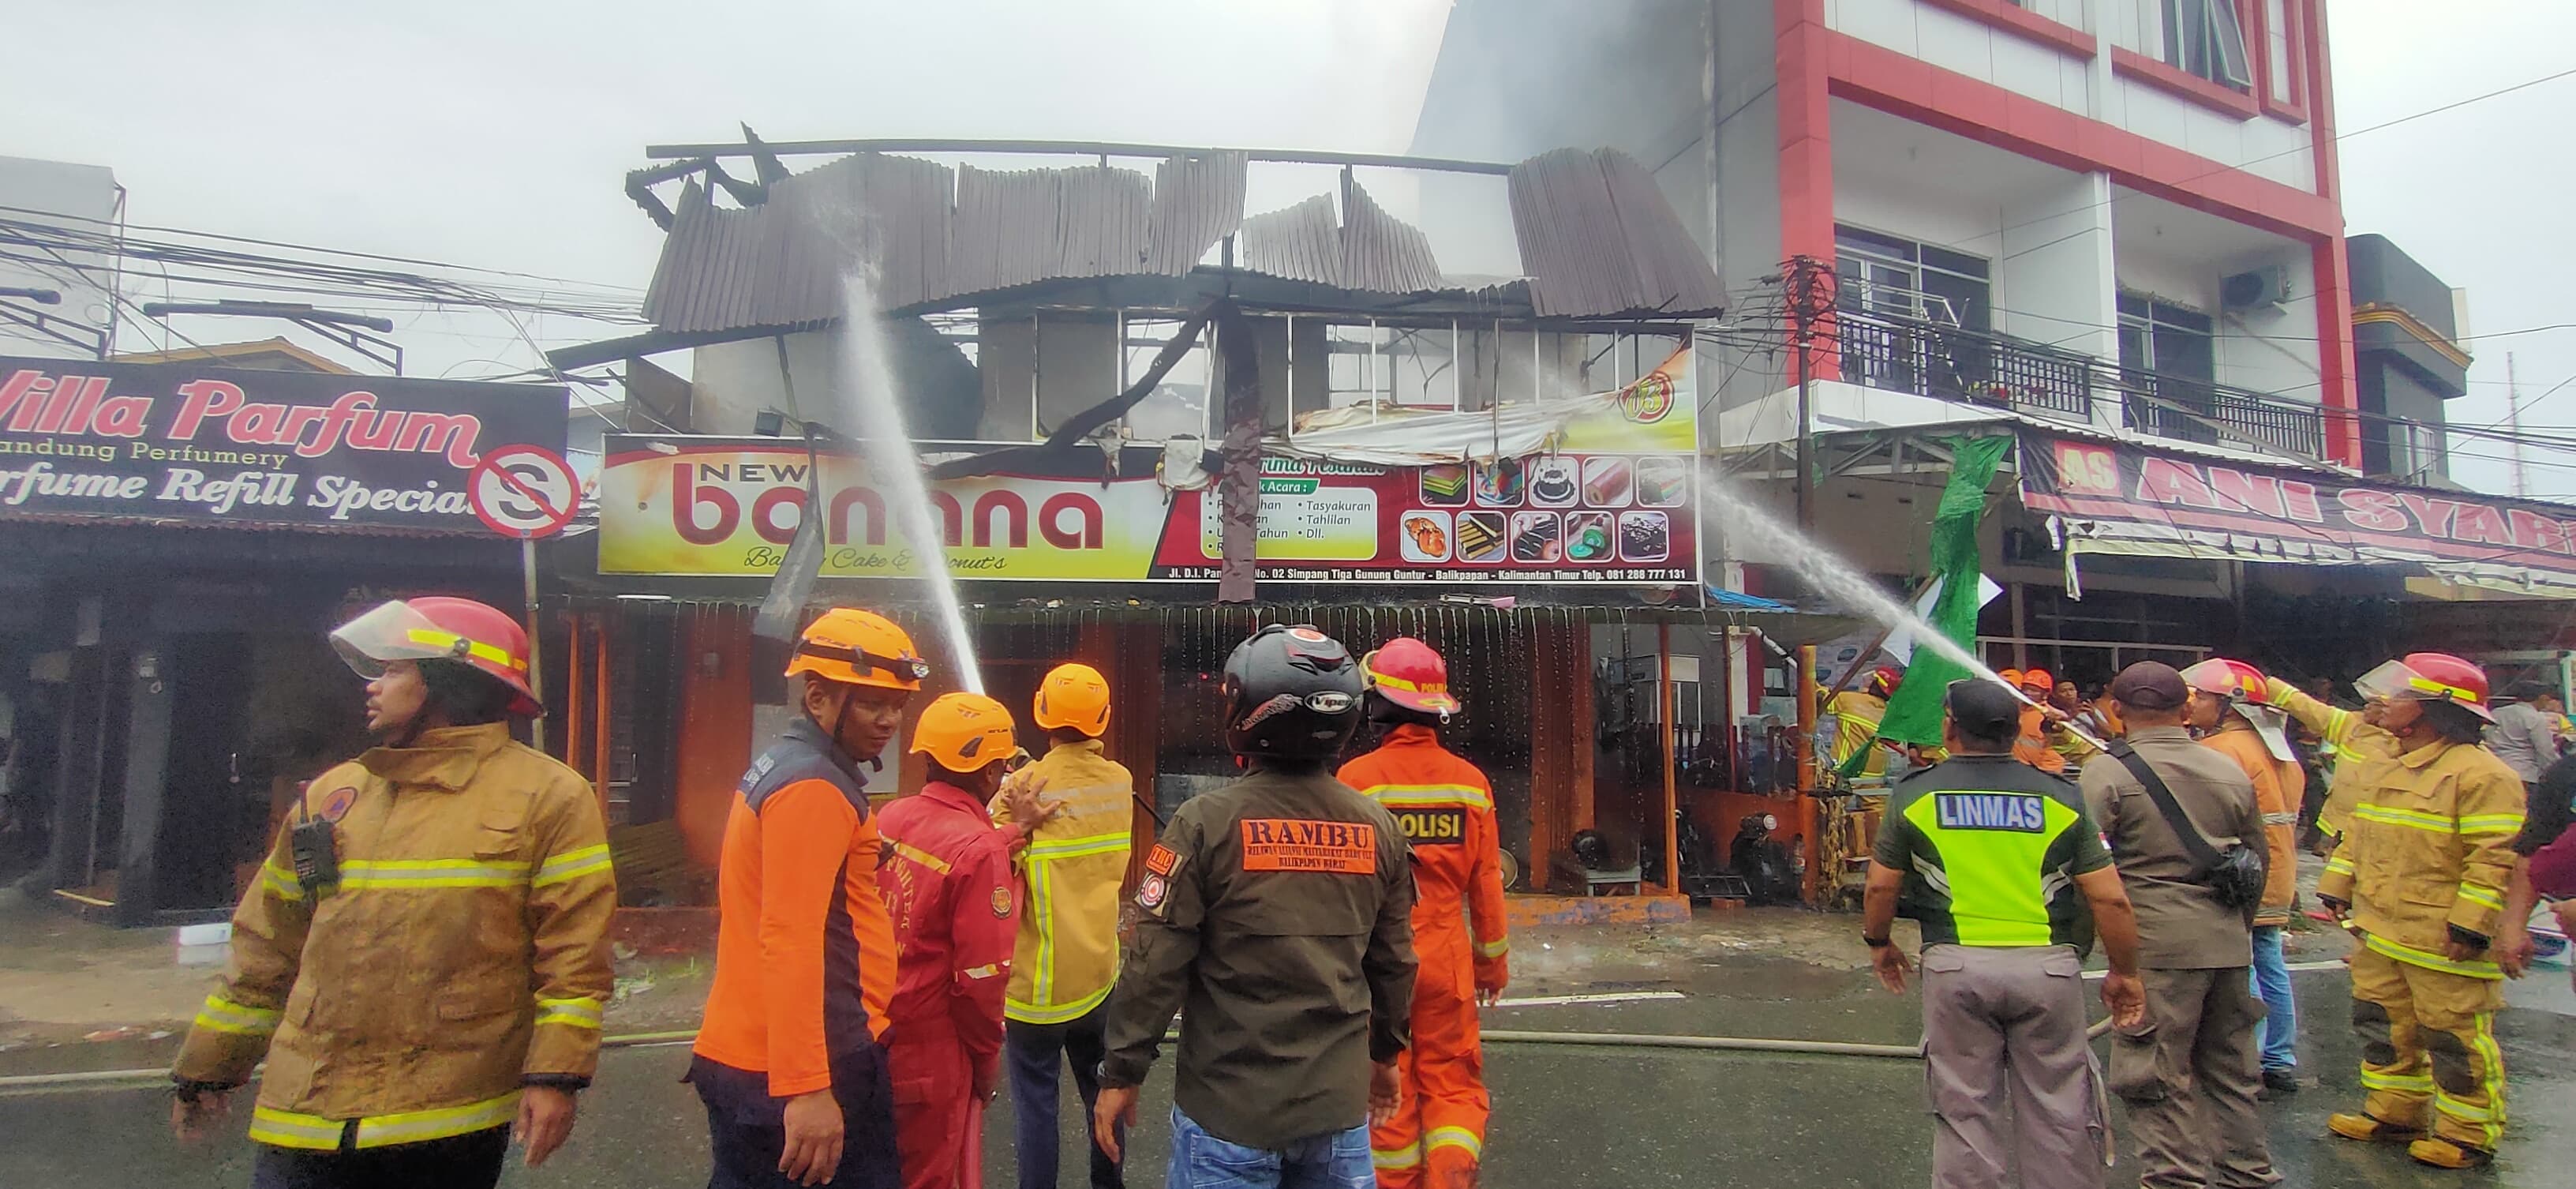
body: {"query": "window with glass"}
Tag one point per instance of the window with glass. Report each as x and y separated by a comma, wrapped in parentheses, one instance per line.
(2171, 355)
(2207, 38)
(1908, 294)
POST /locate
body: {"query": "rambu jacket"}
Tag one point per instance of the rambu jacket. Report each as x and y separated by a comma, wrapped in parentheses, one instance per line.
(462, 952)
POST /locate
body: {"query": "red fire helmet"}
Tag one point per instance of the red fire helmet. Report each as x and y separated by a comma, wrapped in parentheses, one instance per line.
(2430, 677)
(438, 628)
(2235, 681)
(1410, 674)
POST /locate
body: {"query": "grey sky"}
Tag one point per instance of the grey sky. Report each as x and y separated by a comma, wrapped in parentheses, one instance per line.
(496, 134)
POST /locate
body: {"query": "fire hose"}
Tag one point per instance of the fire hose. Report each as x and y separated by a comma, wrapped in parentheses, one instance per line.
(119, 1078)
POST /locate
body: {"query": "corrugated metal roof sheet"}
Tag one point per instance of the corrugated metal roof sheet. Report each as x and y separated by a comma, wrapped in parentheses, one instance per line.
(1381, 253)
(782, 263)
(1598, 239)
(1197, 201)
(1596, 236)
(1367, 249)
(1301, 243)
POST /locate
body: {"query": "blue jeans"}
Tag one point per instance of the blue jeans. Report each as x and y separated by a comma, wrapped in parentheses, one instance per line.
(2281, 1012)
(1034, 1054)
(1333, 1160)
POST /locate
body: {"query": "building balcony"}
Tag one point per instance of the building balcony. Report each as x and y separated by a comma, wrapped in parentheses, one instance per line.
(1974, 367)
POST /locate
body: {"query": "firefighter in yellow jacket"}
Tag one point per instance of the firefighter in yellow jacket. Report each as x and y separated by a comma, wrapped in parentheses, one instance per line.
(2420, 878)
(424, 957)
(2353, 737)
(1055, 1012)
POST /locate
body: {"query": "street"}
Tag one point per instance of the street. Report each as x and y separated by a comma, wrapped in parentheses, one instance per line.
(1565, 1117)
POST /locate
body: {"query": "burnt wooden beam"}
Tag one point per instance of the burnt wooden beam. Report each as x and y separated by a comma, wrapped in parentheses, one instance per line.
(1239, 483)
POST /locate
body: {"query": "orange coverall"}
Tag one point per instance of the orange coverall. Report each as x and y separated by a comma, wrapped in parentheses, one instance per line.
(1446, 808)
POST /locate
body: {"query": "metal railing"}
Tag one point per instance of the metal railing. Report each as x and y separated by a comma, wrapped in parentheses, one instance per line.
(1975, 367)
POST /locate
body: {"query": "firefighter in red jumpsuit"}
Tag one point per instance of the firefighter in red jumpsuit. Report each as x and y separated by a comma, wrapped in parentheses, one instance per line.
(948, 884)
(1446, 808)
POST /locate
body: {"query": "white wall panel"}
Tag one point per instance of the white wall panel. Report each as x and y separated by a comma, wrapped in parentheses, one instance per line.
(2053, 282)
(1881, 22)
(2032, 69)
(1953, 42)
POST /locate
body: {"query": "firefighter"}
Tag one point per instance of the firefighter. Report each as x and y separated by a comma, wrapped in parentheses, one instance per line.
(2420, 877)
(1067, 956)
(1446, 809)
(1856, 714)
(2351, 739)
(1280, 908)
(424, 957)
(2231, 709)
(2033, 746)
(949, 885)
(788, 1060)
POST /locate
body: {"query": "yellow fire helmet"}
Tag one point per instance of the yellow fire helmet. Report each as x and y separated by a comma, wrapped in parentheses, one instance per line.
(857, 647)
(1073, 695)
(962, 732)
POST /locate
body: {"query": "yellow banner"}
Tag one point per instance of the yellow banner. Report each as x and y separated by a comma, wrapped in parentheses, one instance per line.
(1659, 414)
(732, 509)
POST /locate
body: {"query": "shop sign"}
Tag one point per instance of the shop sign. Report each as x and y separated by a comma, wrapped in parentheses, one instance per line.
(2121, 499)
(730, 506)
(225, 445)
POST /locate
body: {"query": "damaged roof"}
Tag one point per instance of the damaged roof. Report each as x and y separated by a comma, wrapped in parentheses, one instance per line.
(1596, 238)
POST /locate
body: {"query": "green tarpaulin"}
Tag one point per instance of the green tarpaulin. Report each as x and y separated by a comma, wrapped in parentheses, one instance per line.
(1914, 714)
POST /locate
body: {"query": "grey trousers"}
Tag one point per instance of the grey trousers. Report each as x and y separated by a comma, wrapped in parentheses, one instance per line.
(2189, 1074)
(2008, 1025)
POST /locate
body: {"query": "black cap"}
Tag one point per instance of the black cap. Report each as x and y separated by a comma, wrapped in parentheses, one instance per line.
(2150, 685)
(1984, 709)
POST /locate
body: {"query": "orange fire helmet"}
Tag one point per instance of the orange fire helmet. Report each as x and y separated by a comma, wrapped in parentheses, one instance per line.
(963, 732)
(434, 628)
(857, 647)
(2012, 677)
(1410, 674)
(2038, 677)
(1072, 695)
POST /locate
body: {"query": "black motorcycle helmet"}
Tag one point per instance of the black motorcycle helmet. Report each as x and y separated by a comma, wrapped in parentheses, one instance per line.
(1291, 693)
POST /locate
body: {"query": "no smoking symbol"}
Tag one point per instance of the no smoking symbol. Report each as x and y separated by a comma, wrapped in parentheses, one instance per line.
(524, 491)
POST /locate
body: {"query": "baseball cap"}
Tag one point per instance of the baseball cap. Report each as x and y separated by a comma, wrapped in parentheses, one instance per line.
(1983, 709)
(2150, 685)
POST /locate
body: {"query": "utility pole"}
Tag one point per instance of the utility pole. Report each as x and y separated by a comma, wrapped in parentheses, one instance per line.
(2513, 424)
(1805, 307)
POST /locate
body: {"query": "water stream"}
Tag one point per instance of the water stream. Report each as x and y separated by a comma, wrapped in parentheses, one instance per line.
(1722, 503)
(867, 385)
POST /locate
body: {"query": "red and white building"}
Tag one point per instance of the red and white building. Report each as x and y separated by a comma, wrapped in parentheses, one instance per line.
(2087, 175)
(2114, 222)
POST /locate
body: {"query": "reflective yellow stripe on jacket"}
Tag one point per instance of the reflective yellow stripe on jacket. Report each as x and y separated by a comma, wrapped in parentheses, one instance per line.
(1066, 957)
(287, 1129)
(1039, 1007)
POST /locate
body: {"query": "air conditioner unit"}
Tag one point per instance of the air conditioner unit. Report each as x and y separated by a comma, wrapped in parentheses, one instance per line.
(2255, 289)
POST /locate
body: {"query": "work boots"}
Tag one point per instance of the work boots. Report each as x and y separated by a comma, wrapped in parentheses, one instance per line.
(2369, 1129)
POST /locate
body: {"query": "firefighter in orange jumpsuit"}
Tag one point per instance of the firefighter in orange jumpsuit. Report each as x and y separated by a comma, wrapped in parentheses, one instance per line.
(1446, 808)
(949, 885)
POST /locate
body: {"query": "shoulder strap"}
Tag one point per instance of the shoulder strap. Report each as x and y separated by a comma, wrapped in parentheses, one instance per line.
(2203, 855)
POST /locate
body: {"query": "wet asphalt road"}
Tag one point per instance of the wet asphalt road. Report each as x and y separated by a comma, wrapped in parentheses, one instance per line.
(1565, 1117)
